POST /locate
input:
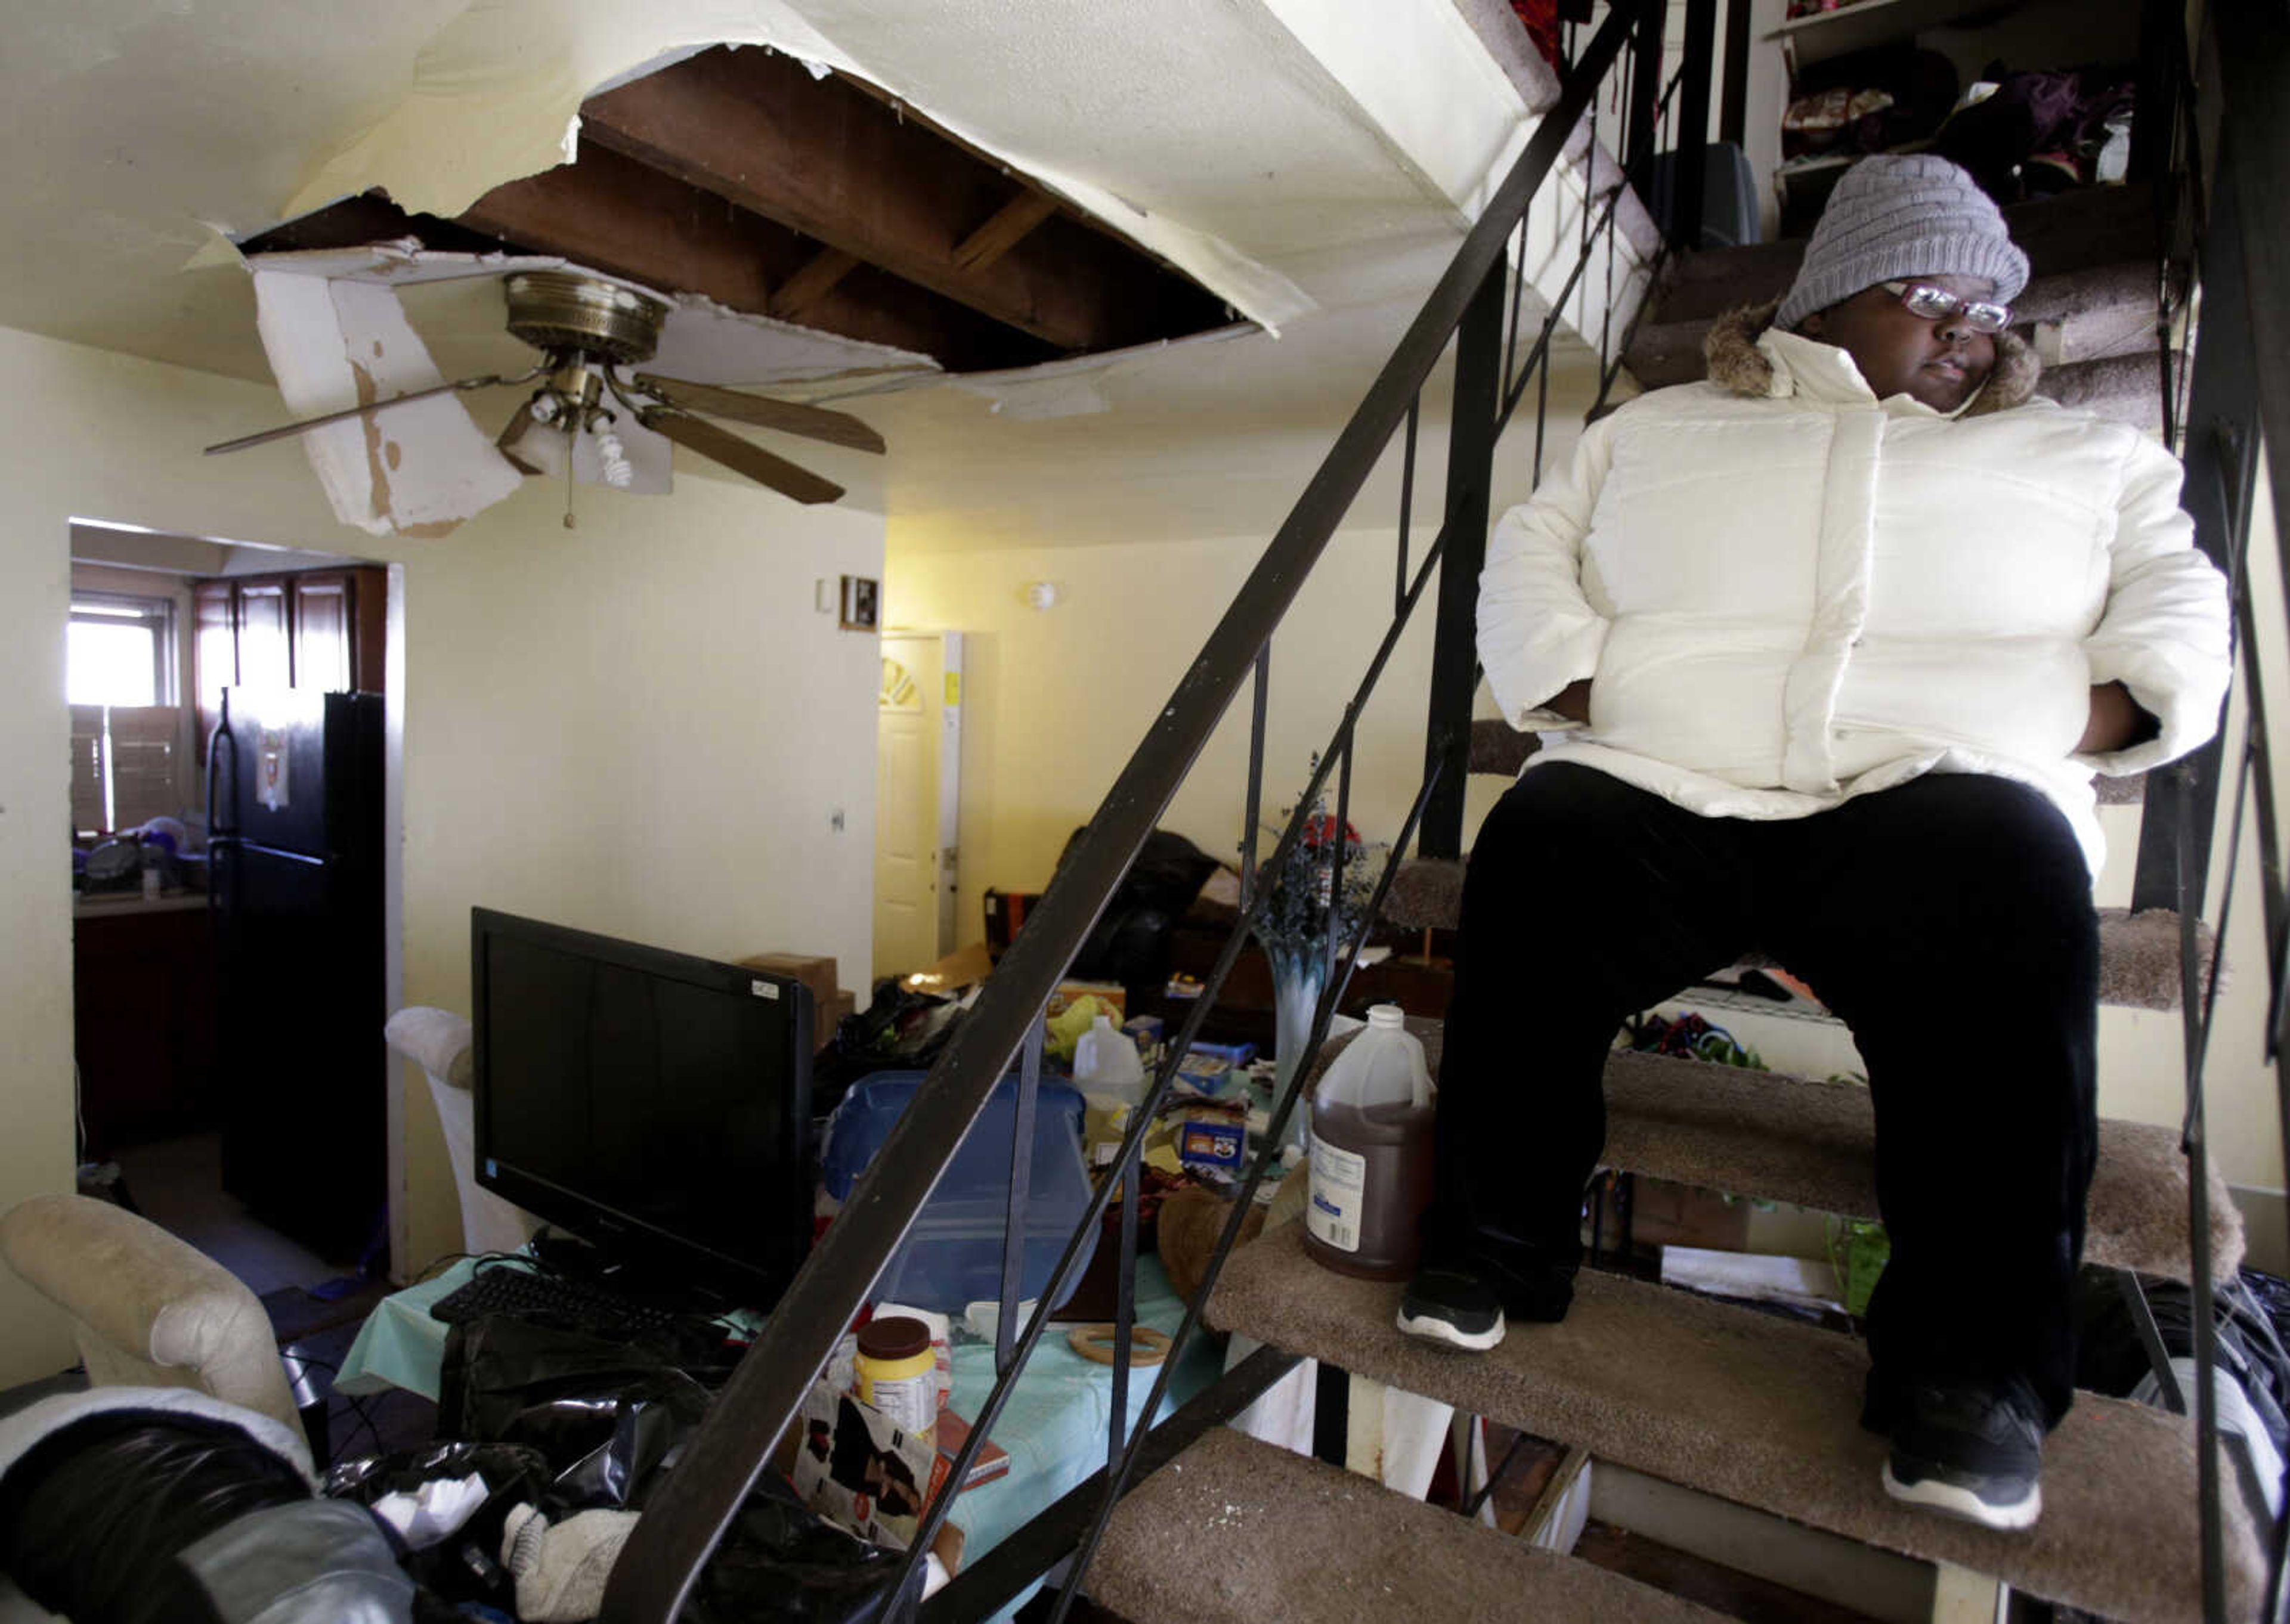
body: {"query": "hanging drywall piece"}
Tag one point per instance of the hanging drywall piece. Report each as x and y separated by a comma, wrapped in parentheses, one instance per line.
(415, 469)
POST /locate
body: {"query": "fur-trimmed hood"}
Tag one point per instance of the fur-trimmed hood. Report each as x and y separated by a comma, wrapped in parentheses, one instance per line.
(1735, 361)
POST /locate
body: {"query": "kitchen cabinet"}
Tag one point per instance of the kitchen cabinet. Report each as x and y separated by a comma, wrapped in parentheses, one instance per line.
(317, 628)
(143, 1018)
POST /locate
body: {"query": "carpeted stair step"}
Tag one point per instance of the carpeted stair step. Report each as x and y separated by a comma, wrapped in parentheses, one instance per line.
(1238, 1532)
(1769, 1136)
(1498, 747)
(1764, 1412)
(1781, 1138)
(2138, 953)
(2085, 230)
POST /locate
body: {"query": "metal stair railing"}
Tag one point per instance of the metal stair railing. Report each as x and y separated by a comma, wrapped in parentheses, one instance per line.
(696, 1503)
(2225, 265)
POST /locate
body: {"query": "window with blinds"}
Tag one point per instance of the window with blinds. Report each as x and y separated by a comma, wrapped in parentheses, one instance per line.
(126, 722)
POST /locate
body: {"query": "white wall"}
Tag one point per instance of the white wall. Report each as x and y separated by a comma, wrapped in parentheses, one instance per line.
(1056, 702)
(639, 727)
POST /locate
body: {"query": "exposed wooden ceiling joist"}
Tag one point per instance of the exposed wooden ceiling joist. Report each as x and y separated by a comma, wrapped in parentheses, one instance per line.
(614, 214)
(803, 292)
(1009, 227)
(825, 159)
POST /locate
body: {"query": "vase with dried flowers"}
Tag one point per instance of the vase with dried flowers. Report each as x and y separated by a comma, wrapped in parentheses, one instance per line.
(1292, 923)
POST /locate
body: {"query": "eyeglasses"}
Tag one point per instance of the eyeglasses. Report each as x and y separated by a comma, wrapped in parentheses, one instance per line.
(1938, 304)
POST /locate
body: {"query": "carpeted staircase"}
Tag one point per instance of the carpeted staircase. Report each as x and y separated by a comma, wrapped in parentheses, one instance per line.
(1753, 1409)
(1756, 1410)
(1763, 1412)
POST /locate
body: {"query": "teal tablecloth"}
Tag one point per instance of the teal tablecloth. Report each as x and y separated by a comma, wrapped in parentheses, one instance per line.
(1054, 1424)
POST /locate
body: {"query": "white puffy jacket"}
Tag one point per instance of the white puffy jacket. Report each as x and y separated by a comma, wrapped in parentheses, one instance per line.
(1787, 592)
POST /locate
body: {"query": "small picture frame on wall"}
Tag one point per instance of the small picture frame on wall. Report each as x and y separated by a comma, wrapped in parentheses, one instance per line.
(861, 603)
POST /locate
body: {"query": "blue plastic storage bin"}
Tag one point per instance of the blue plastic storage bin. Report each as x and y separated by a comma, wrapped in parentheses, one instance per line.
(952, 1256)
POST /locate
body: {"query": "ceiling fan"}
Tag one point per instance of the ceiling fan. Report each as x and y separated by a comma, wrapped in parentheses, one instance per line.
(590, 331)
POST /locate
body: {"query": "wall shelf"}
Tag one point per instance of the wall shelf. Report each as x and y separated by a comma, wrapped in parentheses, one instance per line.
(1817, 37)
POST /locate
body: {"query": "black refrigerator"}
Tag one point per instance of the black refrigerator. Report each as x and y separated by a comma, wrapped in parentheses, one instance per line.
(295, 799)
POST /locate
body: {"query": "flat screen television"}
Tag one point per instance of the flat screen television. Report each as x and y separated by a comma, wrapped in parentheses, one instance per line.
(654, 1104)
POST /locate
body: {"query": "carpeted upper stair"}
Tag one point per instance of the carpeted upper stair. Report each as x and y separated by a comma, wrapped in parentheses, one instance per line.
(1764, 1412)
(1238, 1531)
(1773, 1137)
(2138, 953)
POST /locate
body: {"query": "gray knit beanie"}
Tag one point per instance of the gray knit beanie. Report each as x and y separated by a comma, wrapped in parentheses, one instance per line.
(1914, 215)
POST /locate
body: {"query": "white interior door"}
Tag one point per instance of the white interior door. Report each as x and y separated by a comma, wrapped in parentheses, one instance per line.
(917, 790)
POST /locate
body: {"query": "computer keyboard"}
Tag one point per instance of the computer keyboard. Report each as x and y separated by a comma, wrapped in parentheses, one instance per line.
(525, 1293)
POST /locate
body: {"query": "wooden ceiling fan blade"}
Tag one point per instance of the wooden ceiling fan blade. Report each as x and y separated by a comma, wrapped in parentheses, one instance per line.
(787, 416)
(285, 430)
(740, 456)
(512, 436)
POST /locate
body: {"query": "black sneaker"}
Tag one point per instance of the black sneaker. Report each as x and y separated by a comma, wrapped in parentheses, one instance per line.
(1972, 1450)
(1454, 1307)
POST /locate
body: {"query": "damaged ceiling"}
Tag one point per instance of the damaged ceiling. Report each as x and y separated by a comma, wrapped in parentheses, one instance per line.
(998, 185)
(775, 189)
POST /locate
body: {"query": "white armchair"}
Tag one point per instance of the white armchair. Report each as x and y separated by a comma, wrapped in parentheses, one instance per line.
(440, 1042)
(147, 1310)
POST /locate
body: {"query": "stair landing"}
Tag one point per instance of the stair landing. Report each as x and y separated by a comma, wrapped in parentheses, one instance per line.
(1764, 1412)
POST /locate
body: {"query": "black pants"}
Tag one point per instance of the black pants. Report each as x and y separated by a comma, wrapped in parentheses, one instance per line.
(1948, 922)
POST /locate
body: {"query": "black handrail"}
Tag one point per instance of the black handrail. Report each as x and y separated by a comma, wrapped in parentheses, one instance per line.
(721, 1463)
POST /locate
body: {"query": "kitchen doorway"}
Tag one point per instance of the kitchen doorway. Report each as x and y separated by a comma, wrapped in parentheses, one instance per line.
(235, 948)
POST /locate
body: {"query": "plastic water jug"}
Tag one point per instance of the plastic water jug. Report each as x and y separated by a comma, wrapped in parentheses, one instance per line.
(1372, 1153)
(1106, 1062)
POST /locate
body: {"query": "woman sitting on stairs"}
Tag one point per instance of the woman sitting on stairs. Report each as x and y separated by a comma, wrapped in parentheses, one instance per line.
(1828, 648)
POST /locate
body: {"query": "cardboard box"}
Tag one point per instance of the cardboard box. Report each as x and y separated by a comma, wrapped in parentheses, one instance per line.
(815, 970)
(1111, 994)
(956, 973)
(855, 1466)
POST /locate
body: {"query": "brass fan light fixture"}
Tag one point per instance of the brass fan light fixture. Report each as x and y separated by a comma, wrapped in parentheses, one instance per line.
(590, 331)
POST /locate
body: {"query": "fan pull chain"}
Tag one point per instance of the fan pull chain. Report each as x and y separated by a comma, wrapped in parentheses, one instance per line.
(571, 443)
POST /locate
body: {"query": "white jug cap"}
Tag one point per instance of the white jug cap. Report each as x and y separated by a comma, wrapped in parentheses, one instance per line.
(1102, 1023)
(1387, 1018)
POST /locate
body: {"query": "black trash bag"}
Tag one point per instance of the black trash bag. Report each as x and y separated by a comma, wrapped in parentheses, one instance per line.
(899, 1030)
(604, 1415)
(465, 1566)
(2111, 1357)
(92, 1515)
(782, 1563)
(1130, 941)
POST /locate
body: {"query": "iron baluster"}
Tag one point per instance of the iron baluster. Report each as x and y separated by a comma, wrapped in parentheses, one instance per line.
(1471, 433)
(1337, 844)
(1407, 502)
(2193, 1142)
(1258, 684)
(1021, 1175)
(1124, 1306)
(2151, 1337)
